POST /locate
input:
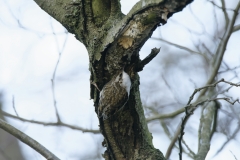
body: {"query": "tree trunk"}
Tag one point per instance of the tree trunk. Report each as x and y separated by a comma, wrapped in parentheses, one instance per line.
(113, 40)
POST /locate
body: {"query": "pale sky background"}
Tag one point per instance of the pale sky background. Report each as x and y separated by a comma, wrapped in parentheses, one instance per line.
(29, 53)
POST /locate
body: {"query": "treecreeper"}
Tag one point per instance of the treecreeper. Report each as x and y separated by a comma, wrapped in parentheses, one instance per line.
(114, 95)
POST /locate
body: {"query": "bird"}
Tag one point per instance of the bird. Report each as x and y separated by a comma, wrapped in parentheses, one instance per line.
(114, 95)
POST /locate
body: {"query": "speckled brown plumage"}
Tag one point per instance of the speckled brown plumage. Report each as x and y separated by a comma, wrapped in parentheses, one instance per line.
(114, 95)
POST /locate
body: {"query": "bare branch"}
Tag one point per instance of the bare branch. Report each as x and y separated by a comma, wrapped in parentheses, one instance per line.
(55, 70)
(191, 153)
(59, 123)
(170, 88)
(210, 86)
(147, 59)
(168, 133)
(190, 111)
(229, 138)
(171, 145)
(234, 155)
(219, 7)
(190, 108)
(27, 140)
(14, 108)
(176, 45)
(225, 13)
(205, 129)
(170, 115)
(236, 28)
(222, 47)
(229, 69)
(54, 100)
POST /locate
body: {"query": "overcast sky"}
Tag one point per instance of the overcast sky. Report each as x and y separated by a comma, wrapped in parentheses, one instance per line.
(30, 43)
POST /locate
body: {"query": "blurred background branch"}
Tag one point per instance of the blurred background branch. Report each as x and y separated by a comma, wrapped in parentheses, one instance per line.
(199, 47)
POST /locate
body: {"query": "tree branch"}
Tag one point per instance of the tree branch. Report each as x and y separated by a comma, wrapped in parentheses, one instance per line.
(13, 104)
(225, 13)
(229, 138)
(191, 153)
(205, 130)
(176, 45)
(59, 123)
(147, 59)
(234, 156)
(169, 115)
(222, 47)
(190, 111)
(111, 46)
(236, 28)
(190, 108)
(27, 140)
(60, 51)
(199, 99)
(151, 13)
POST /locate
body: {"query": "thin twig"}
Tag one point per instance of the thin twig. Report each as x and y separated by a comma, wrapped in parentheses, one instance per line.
(27, 140)
(225, 13)
(171, 145)
(229, 139)
(175, 45)
(219, 7)
(192, 154)
(190, 111)
(169, 87)
(234, 133)
(13, 103)
(190, 108)
(52, 123)
(55, 70)
(167, 132)
(216, 64)
(230, 69)
(209, 86)
(222, 47)
(233, 155)
(169, 115)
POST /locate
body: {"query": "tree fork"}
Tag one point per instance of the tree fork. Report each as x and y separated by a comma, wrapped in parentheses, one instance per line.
(113, 40)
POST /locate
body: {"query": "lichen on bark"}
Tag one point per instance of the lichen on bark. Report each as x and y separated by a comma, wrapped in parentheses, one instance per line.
(113, 41)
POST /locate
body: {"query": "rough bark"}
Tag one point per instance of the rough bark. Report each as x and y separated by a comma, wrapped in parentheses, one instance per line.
(205, 131)
(113, 40)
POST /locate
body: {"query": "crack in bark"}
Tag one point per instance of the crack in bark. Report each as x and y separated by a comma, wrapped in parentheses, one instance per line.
(108, 54)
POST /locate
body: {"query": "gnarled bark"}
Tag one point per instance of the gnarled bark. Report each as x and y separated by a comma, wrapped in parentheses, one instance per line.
(113, 40)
